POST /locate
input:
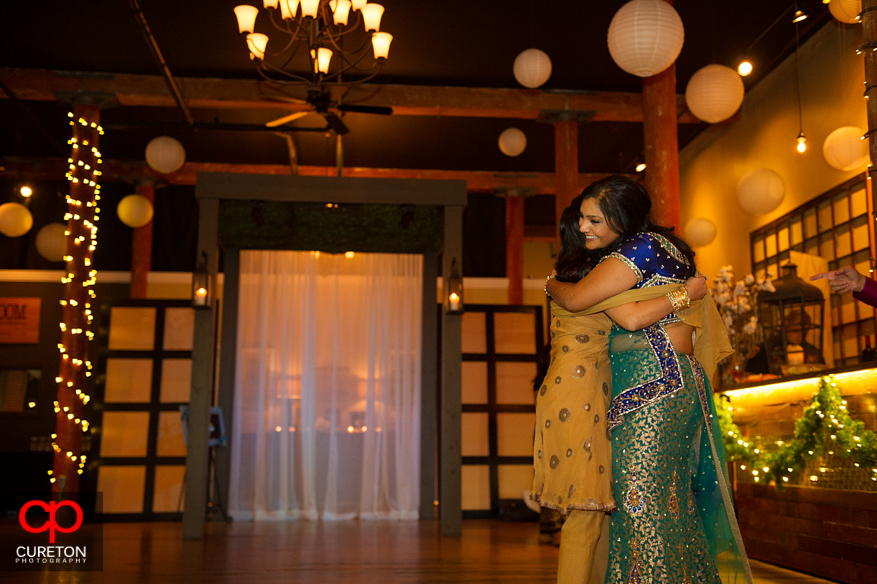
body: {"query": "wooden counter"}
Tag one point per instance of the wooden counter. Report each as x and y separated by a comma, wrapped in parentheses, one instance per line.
(825, 521)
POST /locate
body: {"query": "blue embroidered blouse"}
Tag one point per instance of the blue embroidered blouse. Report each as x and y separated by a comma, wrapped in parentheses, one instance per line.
(654, 260)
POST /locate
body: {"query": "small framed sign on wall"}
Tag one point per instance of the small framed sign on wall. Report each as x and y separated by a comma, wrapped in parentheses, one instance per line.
(20, 321)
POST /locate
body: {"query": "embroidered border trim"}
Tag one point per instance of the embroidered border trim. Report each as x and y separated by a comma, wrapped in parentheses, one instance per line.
(701, 386)
(642, 395)
(670, 248)
(630, 264)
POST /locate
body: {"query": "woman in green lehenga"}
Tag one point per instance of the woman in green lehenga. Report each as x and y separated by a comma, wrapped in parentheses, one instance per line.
(675, 521)
(572, 456)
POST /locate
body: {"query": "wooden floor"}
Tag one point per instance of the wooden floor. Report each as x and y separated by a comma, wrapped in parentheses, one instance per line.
(343, 552)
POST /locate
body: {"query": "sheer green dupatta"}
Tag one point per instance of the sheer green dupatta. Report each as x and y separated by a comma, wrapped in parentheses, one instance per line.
(708, 465)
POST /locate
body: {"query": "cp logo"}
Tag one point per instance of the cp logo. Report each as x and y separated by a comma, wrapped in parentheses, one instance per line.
(52, 525)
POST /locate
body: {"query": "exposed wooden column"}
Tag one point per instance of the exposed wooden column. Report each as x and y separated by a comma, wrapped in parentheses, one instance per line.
(514, 247)
(78, 294)
(450, 496)
(566, 164)
(201, 396)
(662, 145)
(141, 245)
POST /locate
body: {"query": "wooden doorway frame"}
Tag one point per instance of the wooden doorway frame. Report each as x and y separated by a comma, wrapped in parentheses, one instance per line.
(210, 189)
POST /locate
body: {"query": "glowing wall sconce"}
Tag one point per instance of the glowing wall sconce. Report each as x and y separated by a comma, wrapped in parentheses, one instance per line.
(201, 293)
(455, 290)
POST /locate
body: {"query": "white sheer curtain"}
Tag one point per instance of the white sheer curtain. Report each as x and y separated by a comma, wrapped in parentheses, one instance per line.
(327, 394)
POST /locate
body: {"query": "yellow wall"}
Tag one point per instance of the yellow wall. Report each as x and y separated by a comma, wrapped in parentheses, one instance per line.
(832, 86)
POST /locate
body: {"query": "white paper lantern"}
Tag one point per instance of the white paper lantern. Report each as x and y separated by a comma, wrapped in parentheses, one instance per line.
(700, 232)
(52, 242)
(512, 142)
(645, 37)
(714, 93)
(15, 219)
(844, 148)
(846, 10)
(532, 68)
(165, 154)
(761, 191)
(135, 211)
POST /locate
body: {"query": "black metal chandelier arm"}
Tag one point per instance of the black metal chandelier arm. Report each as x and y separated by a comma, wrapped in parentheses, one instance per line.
(266, 70)
(366, 45)
(340, 32)
(292, 53)
(377, 69)
(281, 25)
(351, 66)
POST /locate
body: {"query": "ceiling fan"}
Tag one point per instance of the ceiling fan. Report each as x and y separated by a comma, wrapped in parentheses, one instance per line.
(321, 103)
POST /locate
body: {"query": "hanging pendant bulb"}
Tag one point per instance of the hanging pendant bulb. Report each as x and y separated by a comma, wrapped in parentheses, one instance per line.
(802, 142)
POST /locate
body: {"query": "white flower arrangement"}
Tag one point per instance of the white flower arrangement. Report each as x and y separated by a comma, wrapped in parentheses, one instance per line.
(736, 300)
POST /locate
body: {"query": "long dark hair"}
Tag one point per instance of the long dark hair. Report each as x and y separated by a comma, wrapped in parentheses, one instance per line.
(625, 204)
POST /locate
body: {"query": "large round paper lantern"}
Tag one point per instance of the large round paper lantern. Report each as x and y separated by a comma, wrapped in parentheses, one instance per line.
(645, 37)
(700, 232)
(844, 148)
(846, 10)
(15, 219)
(714, 93)
(165, 154)
(512, 142)
(761, 191)
(135, 211)
(532, 68)
(52, 241)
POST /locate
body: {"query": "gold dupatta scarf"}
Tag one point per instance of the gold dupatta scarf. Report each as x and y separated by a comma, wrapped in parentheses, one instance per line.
(711, 343)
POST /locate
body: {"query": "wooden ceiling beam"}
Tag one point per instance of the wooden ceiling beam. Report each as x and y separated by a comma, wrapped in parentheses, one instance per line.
(406, 100)
(536, 183)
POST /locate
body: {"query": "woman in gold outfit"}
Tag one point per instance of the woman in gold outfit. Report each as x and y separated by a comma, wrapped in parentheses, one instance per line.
(572, 456)
(674, 521)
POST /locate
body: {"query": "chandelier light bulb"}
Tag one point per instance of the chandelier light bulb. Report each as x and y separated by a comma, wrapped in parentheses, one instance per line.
(257, 42)
(288, 8)
(246, 16)
(802, 142)
(340, 11)
(381, 44)
(321, 57)
(641, 167)
(313, 32)
(744, 68)
(309, 8)
(26, 191)
(371, 16)
(799, 16)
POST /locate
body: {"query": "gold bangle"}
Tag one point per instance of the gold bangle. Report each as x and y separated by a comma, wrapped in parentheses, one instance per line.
(686, 299)
(674, 300)
(545, 287)
(679, 299)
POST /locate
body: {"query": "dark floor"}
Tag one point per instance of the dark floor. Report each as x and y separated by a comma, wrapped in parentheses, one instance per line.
(342, 552)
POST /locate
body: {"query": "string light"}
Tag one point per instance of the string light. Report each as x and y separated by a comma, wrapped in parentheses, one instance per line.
(825, 420)
(81, 216)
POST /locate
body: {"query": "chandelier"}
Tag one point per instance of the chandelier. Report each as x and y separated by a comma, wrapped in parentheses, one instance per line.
(325, 32)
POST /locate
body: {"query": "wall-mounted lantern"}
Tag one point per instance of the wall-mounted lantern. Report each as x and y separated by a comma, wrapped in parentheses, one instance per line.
(454, 296)
(201, 293)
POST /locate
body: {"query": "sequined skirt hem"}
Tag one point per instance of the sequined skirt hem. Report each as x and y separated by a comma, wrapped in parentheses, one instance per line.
(590, 505)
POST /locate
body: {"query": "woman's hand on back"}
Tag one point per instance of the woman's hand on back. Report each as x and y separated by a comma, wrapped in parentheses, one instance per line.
(696, 287)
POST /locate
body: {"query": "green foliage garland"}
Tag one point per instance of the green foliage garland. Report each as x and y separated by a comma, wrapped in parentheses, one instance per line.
(826, 418)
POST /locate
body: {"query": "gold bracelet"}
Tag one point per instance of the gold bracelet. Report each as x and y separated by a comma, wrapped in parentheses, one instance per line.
(545, 288)
(679, 299)
(674, 299)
